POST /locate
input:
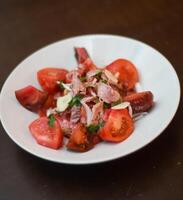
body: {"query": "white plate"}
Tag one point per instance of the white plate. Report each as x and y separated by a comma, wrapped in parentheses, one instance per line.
(156, 74)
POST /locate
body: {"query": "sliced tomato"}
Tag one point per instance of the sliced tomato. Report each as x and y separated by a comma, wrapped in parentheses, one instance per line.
(49, 103)
(128, 74)
(86, 66)
(118, 126)
(94, 139)
(141, 101)
(31, 98)
(81, 54)
(48, 78)
(78, 140)
(46, 135)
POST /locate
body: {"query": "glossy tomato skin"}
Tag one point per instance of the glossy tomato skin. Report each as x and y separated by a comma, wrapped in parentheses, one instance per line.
(49, 103)
(46, 135)
(118, 126)
(78, 140)
(31, 98)
(141, 101)
(81, 54)
(86, 66)
(128, 73)
(48, 78)
(94, 139)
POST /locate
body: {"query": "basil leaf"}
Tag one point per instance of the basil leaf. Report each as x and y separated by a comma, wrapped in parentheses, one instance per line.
(51, 120)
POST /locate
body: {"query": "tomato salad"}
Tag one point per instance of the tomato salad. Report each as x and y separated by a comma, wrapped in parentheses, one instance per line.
(86, 105)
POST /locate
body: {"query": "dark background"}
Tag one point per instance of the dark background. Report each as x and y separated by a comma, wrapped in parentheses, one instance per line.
(156, 171)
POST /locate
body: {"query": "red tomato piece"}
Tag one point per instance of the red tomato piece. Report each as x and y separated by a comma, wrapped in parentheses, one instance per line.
(141, 101)
(49, 103)
(41, 112)
(81, 54)
(128, 74)
(78, 140)
(48, 78)
(46, 135)
(118, 126)
(94, 139)
(86, 66)
(31, 98)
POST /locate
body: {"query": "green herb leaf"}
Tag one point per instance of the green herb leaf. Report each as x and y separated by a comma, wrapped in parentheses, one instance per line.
(51, 120)
(76, 100)
(107, 105)
(102, 124)
(96, 100)
(104, 81)
(116, 103)
(83, 78)
(92, 128)
(61, 85)
(98, 75)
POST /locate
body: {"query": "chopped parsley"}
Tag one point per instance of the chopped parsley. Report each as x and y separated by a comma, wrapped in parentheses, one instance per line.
(61, 85)
(98, 75)
(51, 120)
(116, 103)
(96, 100)
(92, 128)
(83, 78)
(104, 81)
(76, 101)
(107, 105)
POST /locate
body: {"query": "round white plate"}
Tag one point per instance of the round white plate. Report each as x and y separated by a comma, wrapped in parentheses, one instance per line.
(156, 75)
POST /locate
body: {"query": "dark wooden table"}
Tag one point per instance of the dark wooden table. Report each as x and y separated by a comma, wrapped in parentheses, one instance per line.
(153, 173)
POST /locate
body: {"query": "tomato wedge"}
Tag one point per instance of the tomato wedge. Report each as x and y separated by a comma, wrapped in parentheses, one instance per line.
(86, 66)
(46, 135)
(81, 54)
(48, 78)
(78, 140)
(118, 126)
(49, 103)
(31, 98)
(127, 72)
(94, 139)
(141, 101)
